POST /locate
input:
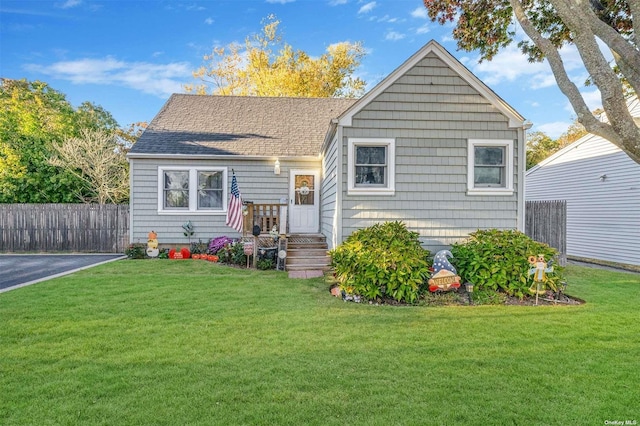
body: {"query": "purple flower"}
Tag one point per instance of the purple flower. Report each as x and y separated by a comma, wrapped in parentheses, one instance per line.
(218, 243)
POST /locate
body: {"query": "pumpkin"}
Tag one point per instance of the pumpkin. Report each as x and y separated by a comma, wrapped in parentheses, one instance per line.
(172, 253)
(153, 235)
(195, 256)
(213, 258)
(185, 253)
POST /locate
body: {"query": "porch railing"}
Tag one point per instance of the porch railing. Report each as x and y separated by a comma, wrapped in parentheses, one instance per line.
(266, 216)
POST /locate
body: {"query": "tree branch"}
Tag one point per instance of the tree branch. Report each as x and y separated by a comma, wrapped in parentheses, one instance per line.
(567, 87)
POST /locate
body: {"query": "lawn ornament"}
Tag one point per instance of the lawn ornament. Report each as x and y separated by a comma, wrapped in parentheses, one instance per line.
(539, 269)
(445, 276)
(152, 245)
(183, 253)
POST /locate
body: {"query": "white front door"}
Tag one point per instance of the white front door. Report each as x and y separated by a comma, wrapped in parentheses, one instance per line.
(304, 201)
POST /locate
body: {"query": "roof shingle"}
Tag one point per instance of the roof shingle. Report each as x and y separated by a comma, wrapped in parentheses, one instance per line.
(236, 125)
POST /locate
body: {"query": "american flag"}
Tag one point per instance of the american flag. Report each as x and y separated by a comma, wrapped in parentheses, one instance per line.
(234, 212)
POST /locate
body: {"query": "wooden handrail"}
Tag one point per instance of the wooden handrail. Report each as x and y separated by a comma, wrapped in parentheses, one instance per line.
(265, 215)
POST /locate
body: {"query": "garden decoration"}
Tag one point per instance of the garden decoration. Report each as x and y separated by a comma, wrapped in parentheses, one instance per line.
(152, 245)
(188, 230)
(183, 253)
(274, 233)
(248, 251)
(282, 254)
(445, 276)
(539, 269)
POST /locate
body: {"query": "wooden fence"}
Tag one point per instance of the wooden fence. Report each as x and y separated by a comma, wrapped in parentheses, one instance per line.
(546, 221)
(83, 228)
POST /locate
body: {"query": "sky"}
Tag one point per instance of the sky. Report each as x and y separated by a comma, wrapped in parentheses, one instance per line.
(129, 56)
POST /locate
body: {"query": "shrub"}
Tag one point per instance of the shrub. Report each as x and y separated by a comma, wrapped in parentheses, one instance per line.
(265, 264)
(199, 247)
(233, 253)
(498, 260)
(136, 251)
(384, 260)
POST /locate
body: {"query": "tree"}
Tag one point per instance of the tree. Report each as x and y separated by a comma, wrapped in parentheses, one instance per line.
(539, 147)
(572, 134)
(487, 25)
(35, 120)
(33, 117)
(98, 158)
(255, 69)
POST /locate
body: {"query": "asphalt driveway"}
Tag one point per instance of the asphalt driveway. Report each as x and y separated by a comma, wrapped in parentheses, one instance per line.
(19, 270)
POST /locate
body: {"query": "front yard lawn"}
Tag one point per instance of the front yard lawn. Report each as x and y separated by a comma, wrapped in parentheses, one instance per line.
(190, 342)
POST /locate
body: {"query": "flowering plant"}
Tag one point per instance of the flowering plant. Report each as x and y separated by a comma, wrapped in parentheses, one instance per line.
(218, 243)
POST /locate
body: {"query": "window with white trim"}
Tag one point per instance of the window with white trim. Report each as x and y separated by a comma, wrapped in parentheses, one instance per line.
(371, 166)
(490, 167)
(192, 189)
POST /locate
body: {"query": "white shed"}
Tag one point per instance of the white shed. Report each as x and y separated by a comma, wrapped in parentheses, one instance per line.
(601, 186)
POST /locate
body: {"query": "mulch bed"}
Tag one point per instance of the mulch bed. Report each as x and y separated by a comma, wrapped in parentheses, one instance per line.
(461, 298)
(548, 299)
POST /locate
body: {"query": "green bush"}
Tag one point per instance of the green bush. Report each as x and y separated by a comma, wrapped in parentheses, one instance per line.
(233, 253)
(265, 264)
(498, 260)
(384, 260)
(136, 251)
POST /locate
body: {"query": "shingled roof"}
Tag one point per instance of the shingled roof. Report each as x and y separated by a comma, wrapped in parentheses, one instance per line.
(237, 125)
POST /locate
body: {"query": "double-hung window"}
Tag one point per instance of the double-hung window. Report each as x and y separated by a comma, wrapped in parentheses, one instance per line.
(371, 164)
(490, 167)
(192, 189)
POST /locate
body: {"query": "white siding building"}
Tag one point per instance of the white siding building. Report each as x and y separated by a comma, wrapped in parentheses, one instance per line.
(601, 186)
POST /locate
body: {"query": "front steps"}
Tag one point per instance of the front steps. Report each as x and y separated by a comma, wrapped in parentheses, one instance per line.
(307, 252)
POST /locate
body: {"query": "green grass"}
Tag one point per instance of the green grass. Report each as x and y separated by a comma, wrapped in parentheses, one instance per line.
(190, 342)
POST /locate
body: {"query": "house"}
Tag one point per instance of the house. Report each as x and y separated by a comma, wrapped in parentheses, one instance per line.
(601, 186)
(430, 145)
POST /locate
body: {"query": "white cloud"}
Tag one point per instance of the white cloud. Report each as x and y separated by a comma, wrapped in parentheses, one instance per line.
(553, 130)
(394, 36)
(70, 3)
(423, 29)
(280, 1)
(209, 21)
(157, 79)
(420, 12)
(387, 18)
(367, 7)
(337, 2)
(511, 65)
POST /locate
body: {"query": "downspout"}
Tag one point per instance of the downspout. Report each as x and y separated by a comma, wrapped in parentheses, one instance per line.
(522, 166)
(130, 201)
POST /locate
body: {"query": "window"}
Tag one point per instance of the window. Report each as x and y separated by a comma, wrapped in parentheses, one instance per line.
(210, 190)
(371, 164)
(176, 189)
(490, 167)
(189, 189)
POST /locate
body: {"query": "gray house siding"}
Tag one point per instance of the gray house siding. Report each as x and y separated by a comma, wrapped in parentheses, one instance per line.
(431, 112)
(256, 181)
(603, 214)
(329, 195)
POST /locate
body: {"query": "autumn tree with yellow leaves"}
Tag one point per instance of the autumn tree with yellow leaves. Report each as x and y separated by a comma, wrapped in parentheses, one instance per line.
(267, 66)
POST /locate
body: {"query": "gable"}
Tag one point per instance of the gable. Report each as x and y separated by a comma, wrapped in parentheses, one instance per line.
(450, 77)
